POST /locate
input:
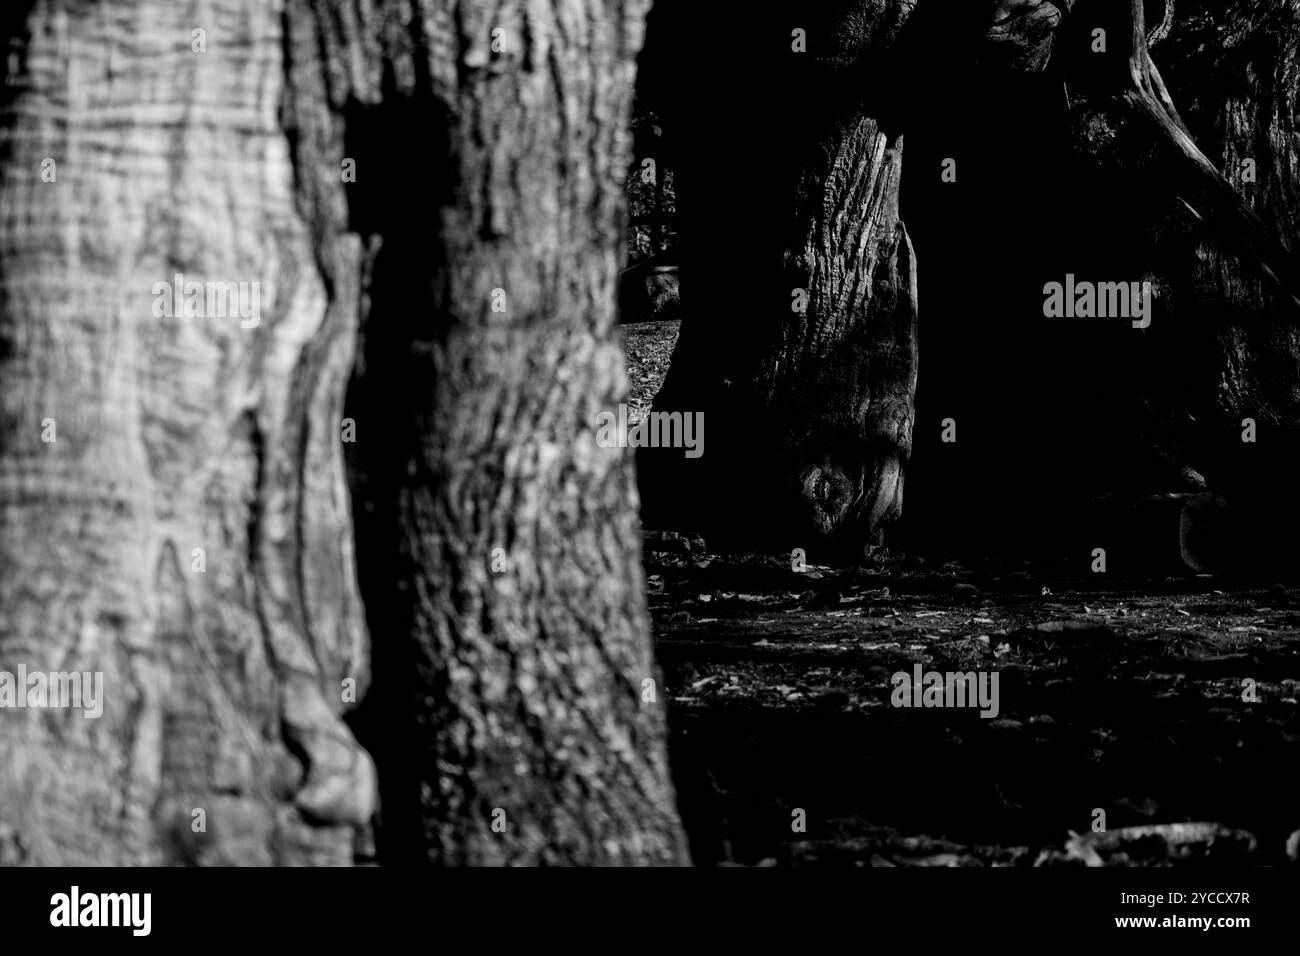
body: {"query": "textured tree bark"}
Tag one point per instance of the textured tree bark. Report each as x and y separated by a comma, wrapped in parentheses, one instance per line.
(804, 363)
(850, 437)
(223, 686)
(517, 597)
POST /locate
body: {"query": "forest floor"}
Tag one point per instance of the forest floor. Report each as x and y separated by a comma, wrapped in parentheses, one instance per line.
(1169, 705)
(1162, 709)
(648, 347)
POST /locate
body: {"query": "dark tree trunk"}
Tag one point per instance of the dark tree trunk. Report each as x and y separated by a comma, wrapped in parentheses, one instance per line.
(1105, 173)
(1234, 71)
(808, 412)
(1231, 330)
(847, 439)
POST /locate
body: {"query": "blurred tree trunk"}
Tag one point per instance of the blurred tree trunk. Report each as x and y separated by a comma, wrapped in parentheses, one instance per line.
(221, 739)
(225, 688)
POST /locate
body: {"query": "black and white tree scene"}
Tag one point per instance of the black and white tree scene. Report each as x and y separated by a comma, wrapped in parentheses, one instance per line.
(612, 433)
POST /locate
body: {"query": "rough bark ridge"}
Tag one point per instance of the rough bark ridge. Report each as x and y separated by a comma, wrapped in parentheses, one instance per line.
(222, 687)
(537, 672)
(822, 465)
(525, 611)
(853, 433)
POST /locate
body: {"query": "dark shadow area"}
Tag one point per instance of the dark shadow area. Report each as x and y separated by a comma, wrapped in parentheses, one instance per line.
(386, 396)
(1048, 413)
(1124, 689)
